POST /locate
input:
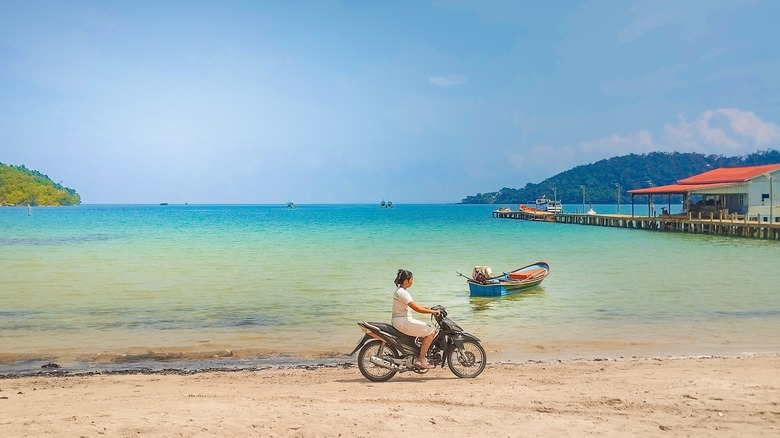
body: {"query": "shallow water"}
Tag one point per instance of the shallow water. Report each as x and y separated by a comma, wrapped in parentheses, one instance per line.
(145, 283)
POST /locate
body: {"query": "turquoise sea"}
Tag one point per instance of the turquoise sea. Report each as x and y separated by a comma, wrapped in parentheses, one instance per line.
(124, 286)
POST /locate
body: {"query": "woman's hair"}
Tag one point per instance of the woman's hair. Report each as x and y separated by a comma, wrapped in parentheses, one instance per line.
(402, 276)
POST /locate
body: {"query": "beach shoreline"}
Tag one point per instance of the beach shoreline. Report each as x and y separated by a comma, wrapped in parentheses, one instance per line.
(680, 396)
(188, 362)
(224, 357)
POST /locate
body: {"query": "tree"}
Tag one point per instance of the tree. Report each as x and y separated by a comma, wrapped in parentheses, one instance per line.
(631, 171)
(22, 186)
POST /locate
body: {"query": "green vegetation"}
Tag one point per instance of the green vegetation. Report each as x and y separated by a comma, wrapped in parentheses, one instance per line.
(21, 186)
(630, 172)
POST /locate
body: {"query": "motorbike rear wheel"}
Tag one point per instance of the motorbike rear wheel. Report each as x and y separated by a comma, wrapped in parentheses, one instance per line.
(370, 371)
(468, 362)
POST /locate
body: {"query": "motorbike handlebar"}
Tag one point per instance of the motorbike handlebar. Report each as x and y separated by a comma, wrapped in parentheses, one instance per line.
(441, 309)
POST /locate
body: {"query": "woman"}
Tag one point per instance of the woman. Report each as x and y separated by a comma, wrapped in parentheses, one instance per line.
(403, 304)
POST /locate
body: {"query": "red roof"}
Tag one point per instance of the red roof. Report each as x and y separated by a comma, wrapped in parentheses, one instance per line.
(675, 188)
(722, 177)
(730, 174)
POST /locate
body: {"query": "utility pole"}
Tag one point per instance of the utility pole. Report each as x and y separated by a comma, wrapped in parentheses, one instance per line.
(651, 204)
(771, 200)
(618, 197)
(583, 199)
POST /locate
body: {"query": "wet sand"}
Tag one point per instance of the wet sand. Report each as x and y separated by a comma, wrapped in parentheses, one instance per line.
(735, 396)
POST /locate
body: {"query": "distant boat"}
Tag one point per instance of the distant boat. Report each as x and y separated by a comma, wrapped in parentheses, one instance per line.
(388, 204)
(548, 205)
(541, 202)
(482, 283)
(290, 204)
(533, 210)
(163, 203)
(554, 207)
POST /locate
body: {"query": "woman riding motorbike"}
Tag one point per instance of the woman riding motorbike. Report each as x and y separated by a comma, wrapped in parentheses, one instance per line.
(403, 304)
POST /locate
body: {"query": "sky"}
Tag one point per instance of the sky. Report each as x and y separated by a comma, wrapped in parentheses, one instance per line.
(356, 101)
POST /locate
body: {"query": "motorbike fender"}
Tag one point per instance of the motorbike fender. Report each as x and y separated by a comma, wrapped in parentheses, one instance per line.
(360, 343)
(460, 337)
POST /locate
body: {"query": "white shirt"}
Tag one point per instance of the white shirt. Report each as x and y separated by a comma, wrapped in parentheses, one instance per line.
(401, 300)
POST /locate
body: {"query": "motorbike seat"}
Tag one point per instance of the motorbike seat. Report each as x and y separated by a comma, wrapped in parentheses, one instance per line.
(392, 330)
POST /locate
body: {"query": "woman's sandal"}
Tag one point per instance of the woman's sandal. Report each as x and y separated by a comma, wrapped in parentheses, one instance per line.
(424, 364)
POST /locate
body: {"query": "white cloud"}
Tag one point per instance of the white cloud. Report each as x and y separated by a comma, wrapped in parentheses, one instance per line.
(551, 158)
(749, 125)
(447, 81)
(644, 24)
(641, 142)
(688, 19)
(721, 131)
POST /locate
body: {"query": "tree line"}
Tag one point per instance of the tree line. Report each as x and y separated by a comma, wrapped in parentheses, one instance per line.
(22, 186)
(604, 181)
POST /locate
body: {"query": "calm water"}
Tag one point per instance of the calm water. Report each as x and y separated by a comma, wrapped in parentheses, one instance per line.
(96, 285)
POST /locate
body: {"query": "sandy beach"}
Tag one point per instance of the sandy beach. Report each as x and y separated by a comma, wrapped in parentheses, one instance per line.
(714, 396)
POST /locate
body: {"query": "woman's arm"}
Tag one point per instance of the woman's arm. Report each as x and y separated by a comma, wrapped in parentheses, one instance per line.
(422, 309)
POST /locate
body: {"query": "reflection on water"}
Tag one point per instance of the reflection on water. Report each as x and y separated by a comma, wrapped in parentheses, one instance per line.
(487, 303)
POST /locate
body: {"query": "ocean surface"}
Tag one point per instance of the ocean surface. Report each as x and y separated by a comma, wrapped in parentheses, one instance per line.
(124, 286)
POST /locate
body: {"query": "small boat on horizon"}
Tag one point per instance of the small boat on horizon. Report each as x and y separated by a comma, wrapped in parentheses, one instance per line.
(482, 283)
(290, 204)
(388, 204)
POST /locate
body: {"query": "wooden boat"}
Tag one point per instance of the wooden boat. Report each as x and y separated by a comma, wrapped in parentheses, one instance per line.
(483, 284)
(534, 210)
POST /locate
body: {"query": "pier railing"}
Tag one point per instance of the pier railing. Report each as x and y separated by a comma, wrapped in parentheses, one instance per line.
(697, 223)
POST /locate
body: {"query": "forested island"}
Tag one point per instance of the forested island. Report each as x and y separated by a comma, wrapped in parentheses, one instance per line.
(601, 182)
(22, 186)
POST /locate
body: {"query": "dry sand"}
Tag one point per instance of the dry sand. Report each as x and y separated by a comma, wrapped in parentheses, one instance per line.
(702, 397)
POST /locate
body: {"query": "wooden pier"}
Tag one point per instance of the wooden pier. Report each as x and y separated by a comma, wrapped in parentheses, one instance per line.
(732, 225)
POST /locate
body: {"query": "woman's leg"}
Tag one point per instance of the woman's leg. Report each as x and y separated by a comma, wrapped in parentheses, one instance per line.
(426, 344)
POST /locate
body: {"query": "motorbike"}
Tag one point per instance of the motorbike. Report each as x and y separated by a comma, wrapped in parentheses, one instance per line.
(385, 351)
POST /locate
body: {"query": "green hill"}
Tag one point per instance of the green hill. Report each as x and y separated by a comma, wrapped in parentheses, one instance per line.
(632, 171)
(21, 186)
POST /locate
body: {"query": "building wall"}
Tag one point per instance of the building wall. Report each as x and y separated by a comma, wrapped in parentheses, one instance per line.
(764, 198)
(756, 198)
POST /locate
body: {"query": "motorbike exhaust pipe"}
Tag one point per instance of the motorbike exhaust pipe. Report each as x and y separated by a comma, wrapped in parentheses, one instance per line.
(383, 363)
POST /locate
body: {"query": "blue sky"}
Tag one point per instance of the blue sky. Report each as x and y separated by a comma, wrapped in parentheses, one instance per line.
(359, 101)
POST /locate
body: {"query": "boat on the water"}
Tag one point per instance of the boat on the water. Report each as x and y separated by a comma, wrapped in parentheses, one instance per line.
(483, 283)
(534, 210)
(554, 206)
(548, 205)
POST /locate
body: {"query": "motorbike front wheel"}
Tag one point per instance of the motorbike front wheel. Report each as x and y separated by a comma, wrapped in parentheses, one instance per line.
(382, 351)
(468, 362)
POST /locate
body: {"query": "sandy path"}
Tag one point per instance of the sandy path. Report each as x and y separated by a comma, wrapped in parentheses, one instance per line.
(641, 397)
